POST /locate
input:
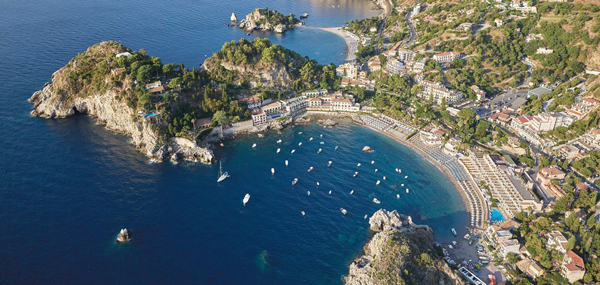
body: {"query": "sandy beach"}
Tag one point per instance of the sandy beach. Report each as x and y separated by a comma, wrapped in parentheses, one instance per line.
(351, 40)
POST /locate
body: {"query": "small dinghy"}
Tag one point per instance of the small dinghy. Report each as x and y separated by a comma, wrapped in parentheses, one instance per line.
(351, 192)
(299, 133)
(376, 201)
(302, 213)
(319, 151)
(293, 150)
(376, 169)
(272, 170)
(286, 162)
(377, 183)
(384, 178)
(278, 150)
(358, 165)
(310, 169)
(402, 185)
(310, 139)
(329, 163)
(294, 182)
(322, 143)
(405, 177)
(246, 199)
(406, 190)
(300, 144)
(355, 174)
(336, 147)
(372, 161)
(123, 236)
(397, 196)
(254, 145)
(279, 141)
(343, 211)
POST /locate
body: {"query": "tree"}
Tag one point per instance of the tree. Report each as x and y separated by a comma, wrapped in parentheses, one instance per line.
(221, 118)
(512, 258)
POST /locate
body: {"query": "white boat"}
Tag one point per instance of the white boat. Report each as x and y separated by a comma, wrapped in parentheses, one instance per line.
(319, 151)
(299, 133)
(318, 183)
(310, 169)
(454, 232)
(308, 193)
(402, 185)
(376, 169)
(377, 183)
(246, 198)
(366, 216)
(384, 178)
(351, 192)
(253, 145)
(376, 201)
(310, 139)
(279, 141)
(278, 150)
(123, 236)
(372, 161)
(405, 177)
(222, 175)
(455, 244)
(329, 192)
(321, 136)
(322, 143)
(396, 169)
(286, 162)
(399, 170)
(272, 170)
(449, 246)
(302, 213)
(336, 147)
(397, 196)
(293, 150)
(329, 163)
(343, 211)
(358, 165)
(406, 190)
(467, 236)
(300, 143)
(355, 174)
(294, 182)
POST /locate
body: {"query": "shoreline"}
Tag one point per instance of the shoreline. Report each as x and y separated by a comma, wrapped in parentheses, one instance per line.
(351, 42)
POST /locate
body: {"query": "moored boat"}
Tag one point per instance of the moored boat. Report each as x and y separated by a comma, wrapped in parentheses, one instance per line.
(329, 163)
(278, 150)
(246, 199)
(294, 182)
(272, 170)
(454, 232)
(384, 178)
(343, 211)
(336, 147)
(293, 150)
(351, 192)
(286, 162)
(310, 139)
(278, 141)
(406, 190)
(372, 161)
(308, 193)
(319, 151)
(358, 165)
(300, 143)
(222, 175)
(253, 145)
(355, 174)
(310, 169)
(376, 201)
(377, 183)
(397, 196)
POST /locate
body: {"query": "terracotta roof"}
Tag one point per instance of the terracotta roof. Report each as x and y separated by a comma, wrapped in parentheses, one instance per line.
(157, 89)
(575, 259)
(272, 105)
(591, 100)
(581, 186)
(551, 171)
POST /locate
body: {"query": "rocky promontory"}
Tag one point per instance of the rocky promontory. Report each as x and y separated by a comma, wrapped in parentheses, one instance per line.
(401, 252)
(92, 84)
(266, 20)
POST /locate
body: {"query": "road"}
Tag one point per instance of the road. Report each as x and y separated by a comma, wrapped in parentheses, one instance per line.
(530, 66)
(412, 33)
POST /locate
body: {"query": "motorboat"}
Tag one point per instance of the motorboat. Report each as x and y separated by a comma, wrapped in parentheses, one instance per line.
(308, 193)
(319, 151)
(397, 196)
(253, 145)
(123, 236)
(358, 165)
(372, 161)
(286, 162)
(293, 150)
(318, 183)
(467, 236)
(300, 144)
(278, 141)
(376, 201)
(455, 244)
(336, 147)
(272, 170)
(299, 133)
(302, 213)
(329, 163)
(321, 136)
(366, 216)
(310, 169)
(294, 182)
(377, 183)
(406, 190)
(454, 232)
(310, 139)
(402, 185)
(329, 192)
(355, 174)
(351, 192)
(450, 247)
(222, 175)
(278, 150)
(384, 178)
(246, 199)
(405, 177)
(322, 143)
(343, 211)
(396, 170)
(399, 170)
(376, 169)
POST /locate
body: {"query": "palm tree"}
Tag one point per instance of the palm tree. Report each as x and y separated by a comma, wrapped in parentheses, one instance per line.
(221, 118)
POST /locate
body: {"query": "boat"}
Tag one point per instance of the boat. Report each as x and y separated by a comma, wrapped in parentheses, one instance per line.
(455, 244)
(358, 165)
(253, 145)
(310, 139)
(399, 170)
(304, 16)
(123, 236)
(329, 192)
(454, 232)
(308, 193)
(329, 163)
(397, 196)
(449, 246)
(318, 183)
(377, 183)
(376, 169)
(299, 133)
(286, 162)
(351, 192)
(279, 141)
(294, 182)
(293, 150)
(246, 198)
(278, 150)
(396, 169)
(222, 175)
(467, 236)
(405, 177)
(272, 170)
(319, 151)
(355, 174)
(322, 143)
(372, 161)
(384, 178)
(222, 145)
(336, 147)
(402, 185)
(302, 213)
(310, 169)
(406, 190)
(300, 144)
(343, 211)
(321, 136)
(366, 216)
(376, 201)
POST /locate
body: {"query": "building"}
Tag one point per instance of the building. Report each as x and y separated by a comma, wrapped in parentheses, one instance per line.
(394, 66)
(273, 109)
(546, 175)
(253, 102)
(295, 106)
(158, 90)
(125, 54)
(259, 117)
(117, 71)
(557, 240)
(314, 93)
(467, 27)
(499, 22)
(203, 123)
(478, 92)
(531, 268)
(374, 64)
(153, 85)
(511, 245)
(347, 70)
(538, 91)
(436, 91)
(573, 267)
(446, 56)
(543, 50)
(549, 121)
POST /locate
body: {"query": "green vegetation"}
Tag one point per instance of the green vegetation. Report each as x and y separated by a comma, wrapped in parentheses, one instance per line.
(274, 18)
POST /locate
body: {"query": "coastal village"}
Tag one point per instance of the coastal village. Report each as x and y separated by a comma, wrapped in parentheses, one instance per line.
(517, 129)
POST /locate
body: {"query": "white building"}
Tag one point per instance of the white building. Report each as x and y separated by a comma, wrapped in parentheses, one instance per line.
(348, 70)
(446, 56)
(543, 50)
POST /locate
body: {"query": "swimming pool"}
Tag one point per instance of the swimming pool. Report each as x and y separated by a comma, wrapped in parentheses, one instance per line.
(496, 215)
(150, 114)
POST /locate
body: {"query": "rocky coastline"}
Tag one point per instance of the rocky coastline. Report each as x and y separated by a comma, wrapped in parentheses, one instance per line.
(258, 21)
(400, 252)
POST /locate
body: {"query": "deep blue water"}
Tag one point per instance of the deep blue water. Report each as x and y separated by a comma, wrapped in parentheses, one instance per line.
(68, 186)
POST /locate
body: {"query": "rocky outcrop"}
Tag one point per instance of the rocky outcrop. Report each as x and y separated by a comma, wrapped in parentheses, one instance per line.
(275, 76)
(400, 253)
(327, 122)
(258, 21)
(386, 5)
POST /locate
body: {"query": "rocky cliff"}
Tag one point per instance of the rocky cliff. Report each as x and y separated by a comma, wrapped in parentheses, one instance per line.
(105, 104)
(400, 253)
(268, 21)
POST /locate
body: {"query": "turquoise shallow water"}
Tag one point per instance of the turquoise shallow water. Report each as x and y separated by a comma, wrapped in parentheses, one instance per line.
(68, 186)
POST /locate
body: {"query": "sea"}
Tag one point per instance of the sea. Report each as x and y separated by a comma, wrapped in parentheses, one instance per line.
(67, 186)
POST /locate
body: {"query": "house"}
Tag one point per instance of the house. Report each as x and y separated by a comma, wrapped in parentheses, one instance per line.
(153, 85)
(557, 240)
(543, 50)
(374, 64)
(203, 123)
(531, 268)
(446, 56)
(394, 66)
(373, 30)
(347, 70)
(549, 173)
(466, 27)
(158, 90)
(253, 102)
(259, 117)
(511, 245)
(590, 102)
(573, 267)
(117, 71)
(478, 92)
(273, 109)
(498, 22)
